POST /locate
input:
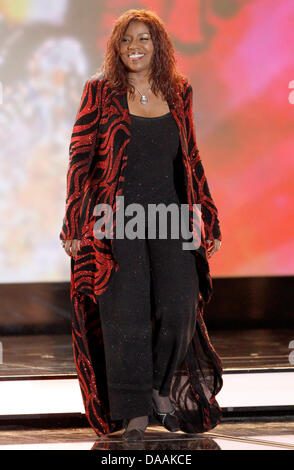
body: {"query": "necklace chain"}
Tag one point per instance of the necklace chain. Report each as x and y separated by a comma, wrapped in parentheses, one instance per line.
(143, 98)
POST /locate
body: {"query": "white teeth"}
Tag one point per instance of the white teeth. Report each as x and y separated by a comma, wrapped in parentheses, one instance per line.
(134, 56)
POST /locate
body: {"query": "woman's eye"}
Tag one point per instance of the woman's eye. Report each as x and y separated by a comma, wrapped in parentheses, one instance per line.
(124, 39)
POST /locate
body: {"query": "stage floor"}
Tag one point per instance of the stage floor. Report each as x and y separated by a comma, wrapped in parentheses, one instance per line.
(38, 380)
(52, 355)
(227, 436)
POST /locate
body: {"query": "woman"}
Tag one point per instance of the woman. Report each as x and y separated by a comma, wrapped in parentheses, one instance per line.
(140, 342)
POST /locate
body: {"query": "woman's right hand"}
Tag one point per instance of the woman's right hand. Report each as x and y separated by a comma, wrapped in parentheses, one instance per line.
(71, 247)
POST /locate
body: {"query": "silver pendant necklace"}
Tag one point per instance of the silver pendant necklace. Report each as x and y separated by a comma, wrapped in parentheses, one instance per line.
(143, 99)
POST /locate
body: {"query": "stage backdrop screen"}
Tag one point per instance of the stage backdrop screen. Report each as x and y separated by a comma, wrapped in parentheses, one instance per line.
(238, 55)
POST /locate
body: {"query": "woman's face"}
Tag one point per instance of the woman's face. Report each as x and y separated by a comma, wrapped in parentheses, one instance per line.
(137, 41)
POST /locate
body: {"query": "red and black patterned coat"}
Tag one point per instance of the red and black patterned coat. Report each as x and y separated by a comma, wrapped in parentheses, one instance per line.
(98, 156)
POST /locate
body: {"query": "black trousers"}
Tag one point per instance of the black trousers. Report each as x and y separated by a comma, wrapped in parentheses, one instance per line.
(142, 351)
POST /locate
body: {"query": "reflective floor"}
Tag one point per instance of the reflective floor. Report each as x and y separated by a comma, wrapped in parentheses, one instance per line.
(47, 359)
(226, 436)
(52, 355)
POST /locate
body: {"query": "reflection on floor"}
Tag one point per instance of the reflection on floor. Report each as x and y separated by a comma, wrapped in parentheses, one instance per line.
(226, 436)
(239, 350)
(43, 364)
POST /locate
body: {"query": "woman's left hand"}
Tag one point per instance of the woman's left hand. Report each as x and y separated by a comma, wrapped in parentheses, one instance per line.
(213, 246)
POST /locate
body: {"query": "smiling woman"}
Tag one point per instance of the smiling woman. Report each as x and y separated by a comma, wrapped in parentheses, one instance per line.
(136, 52)
(136, 44)
(146, 68)
(140, 343)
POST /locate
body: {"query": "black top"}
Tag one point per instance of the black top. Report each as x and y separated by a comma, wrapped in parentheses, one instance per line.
(149, 174)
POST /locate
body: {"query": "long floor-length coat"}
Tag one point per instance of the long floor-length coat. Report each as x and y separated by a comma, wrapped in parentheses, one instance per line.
(98, 155)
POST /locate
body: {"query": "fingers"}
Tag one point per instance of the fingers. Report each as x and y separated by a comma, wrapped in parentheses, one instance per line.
(71, 247)
(213, 247)
(67, 247)
(211, 252)
(75, 248)
(210, 248)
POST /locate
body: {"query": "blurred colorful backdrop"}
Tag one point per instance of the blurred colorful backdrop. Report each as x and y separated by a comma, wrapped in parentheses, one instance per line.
(239, 57)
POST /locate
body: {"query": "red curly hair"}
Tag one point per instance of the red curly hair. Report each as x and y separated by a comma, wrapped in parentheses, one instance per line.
(164, 74)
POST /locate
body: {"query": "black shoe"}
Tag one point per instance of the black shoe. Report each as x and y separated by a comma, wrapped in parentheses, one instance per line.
(133, 435)
(168, 420)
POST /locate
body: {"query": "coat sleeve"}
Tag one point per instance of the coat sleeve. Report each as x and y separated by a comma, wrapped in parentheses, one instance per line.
(81, 148)
(200, 185)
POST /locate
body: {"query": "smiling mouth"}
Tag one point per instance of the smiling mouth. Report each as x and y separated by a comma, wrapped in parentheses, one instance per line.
(136, 56)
